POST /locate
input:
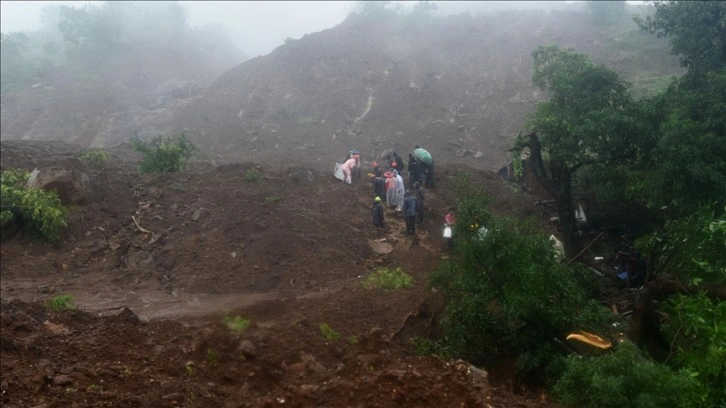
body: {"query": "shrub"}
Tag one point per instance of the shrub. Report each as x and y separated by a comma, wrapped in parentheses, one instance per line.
(625, 378)
(164, 154)
(95, 156)
(252, 175)
(61, 303)
(385, 278)
(506, 291)
(236, 324)
(328, 332)
(38, 210)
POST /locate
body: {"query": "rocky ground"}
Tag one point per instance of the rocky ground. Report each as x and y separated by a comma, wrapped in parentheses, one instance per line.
(156, 262)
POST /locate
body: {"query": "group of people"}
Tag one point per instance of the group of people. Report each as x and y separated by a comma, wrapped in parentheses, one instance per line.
(390, 184)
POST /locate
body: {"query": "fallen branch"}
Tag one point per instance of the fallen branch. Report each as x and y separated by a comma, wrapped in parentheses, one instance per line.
(139, 226)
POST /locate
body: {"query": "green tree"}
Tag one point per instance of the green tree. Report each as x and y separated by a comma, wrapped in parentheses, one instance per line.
(685, 168)
(507, 294)
(589, 119)
(696, 31)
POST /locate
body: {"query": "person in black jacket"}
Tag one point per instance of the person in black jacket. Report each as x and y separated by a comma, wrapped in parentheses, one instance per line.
(419, 202)
(378, 214)
(409, 212)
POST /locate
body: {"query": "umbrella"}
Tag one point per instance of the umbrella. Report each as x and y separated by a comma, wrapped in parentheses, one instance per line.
(423, 155)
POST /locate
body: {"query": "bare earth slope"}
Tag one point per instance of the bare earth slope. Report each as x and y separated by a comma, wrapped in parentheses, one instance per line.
(288, 251)
(459, 86)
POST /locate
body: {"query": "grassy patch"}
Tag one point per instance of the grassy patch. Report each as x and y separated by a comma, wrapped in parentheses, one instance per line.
(236, 324)
(328, 332)
(95, 156)
(61, 303)
(386, 278)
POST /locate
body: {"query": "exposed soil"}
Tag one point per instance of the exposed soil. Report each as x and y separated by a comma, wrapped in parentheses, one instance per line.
(289, 252)
(155, 262)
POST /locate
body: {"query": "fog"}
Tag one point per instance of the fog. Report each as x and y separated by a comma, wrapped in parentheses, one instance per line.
(258, 27)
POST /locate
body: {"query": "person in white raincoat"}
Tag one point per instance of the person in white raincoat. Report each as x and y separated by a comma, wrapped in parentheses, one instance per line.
(400, 190)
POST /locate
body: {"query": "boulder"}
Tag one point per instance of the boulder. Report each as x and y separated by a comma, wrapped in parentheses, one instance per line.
(73, 186)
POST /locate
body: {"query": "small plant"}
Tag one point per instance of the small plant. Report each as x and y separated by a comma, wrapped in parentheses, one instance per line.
(236, 324)
(386, 278)
(212, 358)
(61, 303)
(273, 199)
(38, 210)
(328, 332)
(353, 340)
(95, 156)
(252, 175)
(164, 154)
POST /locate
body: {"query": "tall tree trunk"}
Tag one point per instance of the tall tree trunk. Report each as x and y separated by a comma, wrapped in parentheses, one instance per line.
(559, 185)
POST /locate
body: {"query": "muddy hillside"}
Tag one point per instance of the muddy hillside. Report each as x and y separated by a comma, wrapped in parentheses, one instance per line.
(165, 269)
(460, 86)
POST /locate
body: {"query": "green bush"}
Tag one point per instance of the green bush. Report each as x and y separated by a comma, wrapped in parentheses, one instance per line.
(386, 278)
(252, 175)
(95, 156)
(38, 210)
(695, 328)
(164, 154)
(507, 293)
(623, 379)
(236, 324)
(61, 303)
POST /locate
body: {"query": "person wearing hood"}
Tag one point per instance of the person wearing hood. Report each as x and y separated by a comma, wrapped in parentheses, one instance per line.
(409, 212)
(400, 188)
(390, 189)
(378, 213)
(348, 168)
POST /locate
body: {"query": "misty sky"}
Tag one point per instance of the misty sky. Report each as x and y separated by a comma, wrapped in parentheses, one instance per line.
(257, 27)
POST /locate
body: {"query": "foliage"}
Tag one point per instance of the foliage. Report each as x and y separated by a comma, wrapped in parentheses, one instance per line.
(588, 120)
(425, 347)
(252, 175)
(95, 156)
(237, 324)
(625, 378)
(328, 332)
(387, 278)
(695, 31)
(164, 154)
(507, 292)
(690, 248)
(685, 168)
(38, 210)
(696, 330)
(61, 303)
(212, 357)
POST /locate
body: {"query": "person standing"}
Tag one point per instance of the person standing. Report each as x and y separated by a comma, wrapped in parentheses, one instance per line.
(409, 212)
(355, 154)
(413, 170)
(390, 189)
(419, 202)
(400, 189)
(348, 168)
(376, 169)
(378, 214)
(379, 186)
